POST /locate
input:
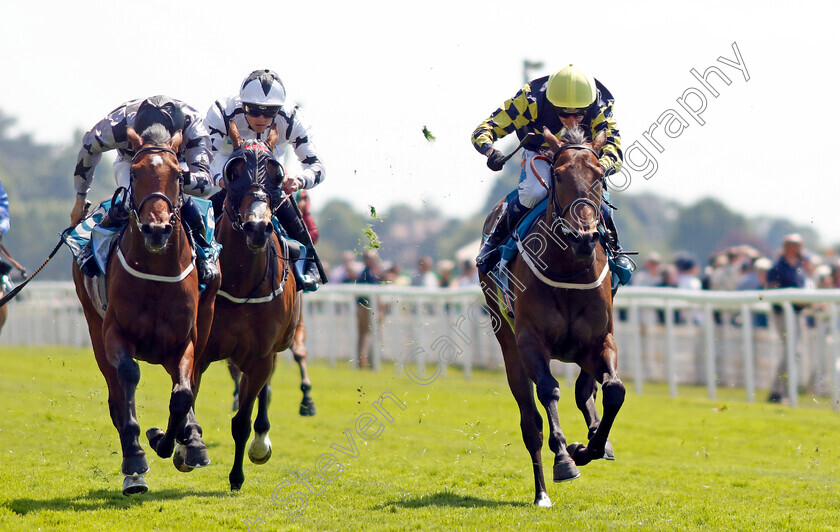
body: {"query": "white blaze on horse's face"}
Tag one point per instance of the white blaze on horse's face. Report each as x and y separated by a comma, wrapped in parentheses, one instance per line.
(258, 212)
(157, 160)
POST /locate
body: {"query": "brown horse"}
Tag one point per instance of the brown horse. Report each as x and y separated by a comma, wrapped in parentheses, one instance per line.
(300, 354)
(155, 313)
(258, 304)
(561, 286)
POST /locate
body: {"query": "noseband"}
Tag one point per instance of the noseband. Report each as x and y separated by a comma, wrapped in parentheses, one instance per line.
(174, 209)
(235, 217)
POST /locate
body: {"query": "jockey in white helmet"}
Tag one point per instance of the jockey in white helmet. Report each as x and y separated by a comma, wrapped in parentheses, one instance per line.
(260, 105)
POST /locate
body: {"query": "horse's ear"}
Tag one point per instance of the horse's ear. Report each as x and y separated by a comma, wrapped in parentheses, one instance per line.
(133, 138)
(233, 133)
(553, 142)
(273, 135)
(599, 141)
(175, 141)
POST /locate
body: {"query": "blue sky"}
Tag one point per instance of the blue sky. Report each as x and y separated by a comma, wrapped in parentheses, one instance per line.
(371, 75)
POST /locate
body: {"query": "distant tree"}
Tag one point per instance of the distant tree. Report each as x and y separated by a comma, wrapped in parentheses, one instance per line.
(341, 228)
(701, 227)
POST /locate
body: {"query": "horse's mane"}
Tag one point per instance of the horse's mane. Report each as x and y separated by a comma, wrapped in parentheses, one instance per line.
(157, 134)
(574, 135)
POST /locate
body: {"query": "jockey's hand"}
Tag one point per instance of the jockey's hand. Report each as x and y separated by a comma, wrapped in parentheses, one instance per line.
(495, 160)
(292, 185)
(79, 211)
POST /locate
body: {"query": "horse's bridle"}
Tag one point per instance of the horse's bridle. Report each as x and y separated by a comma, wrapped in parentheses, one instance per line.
(235, 217)
(174, 209)
(550, 187)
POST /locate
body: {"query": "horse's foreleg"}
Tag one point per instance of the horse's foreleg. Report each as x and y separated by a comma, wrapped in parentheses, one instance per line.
(603, 367)
(530, 423)
(260, 449)
(548, 393)
(123, 375)
(250, 385)
(180, 402)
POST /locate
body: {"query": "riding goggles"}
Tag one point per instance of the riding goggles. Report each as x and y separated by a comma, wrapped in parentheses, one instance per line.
(261, 110)
(566, 112)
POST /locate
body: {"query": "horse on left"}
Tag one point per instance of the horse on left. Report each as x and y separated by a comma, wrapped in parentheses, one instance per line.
(155, 311)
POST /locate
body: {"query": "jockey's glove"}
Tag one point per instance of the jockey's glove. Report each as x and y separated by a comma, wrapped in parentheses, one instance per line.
(608, 171)
(185, 174)
(495, 160)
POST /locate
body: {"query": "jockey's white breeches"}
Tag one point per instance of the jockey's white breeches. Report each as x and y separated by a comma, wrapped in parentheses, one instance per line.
(531, 191)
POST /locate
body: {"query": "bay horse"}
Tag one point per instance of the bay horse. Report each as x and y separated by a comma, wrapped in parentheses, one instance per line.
(257, 307)
(563, 311)
(154, 311)
(299, 352)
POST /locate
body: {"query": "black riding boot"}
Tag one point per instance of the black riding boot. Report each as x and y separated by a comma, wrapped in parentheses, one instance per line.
(488, 255)
(204, 256)
(288, 216)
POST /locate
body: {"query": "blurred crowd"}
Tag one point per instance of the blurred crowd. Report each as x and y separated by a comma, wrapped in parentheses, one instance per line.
(372, 270)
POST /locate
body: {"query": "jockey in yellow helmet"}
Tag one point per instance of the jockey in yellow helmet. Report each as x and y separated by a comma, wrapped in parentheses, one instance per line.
(569, 97)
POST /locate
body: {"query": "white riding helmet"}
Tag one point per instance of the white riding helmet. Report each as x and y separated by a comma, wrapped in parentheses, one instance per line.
(264, 88)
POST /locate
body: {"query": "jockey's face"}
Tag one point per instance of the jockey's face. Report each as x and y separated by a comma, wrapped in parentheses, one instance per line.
(260, 118)
(570, 117)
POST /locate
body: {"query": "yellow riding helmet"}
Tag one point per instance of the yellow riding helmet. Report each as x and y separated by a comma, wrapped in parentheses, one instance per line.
(571, 87)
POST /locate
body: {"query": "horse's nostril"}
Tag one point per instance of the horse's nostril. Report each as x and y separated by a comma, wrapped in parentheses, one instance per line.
(249, 227)
(268, 229)
(146, 229)
(167, 230)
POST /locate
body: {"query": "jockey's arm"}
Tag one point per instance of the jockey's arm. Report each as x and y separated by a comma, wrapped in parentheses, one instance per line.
(220, 147)
(300, 138)
(506, 119)
(95, 142)
(611, 155)
(197, 154)
(5, 222)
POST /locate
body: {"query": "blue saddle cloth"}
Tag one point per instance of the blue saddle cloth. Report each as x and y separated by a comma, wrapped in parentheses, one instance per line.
(102, 239)
(508, 251)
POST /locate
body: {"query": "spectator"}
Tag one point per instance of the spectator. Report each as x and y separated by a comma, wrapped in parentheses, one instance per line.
(371, 274)
(347, 271)
(787, 272)
(651, 275)
(446, 271)
(469, 273)
(425, 274)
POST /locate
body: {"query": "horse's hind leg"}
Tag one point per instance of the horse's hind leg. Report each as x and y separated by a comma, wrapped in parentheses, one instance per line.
(307, 405)
(585, 393)
(603, 367)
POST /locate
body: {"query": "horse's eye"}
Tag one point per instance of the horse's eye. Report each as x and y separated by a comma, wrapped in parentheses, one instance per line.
(275, 174)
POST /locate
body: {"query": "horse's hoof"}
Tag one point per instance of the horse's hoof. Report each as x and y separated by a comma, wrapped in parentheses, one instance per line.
(609, 453)
(566, 470)
(260, 449)
(235, 487)
(307, 408)
(135, 465)
(196, 456)
(542, 500)
(178, 458)
(578, 453)
(155, 435)
(134, 485)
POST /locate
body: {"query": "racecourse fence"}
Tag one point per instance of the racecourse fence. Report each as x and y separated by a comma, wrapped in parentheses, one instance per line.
(715, 339)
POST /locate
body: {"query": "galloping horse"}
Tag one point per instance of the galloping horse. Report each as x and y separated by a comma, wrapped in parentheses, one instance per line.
(258, 305)
(563, 311)
(154, 312)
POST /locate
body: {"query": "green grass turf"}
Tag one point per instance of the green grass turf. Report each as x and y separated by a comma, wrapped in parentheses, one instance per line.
(452, 459)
